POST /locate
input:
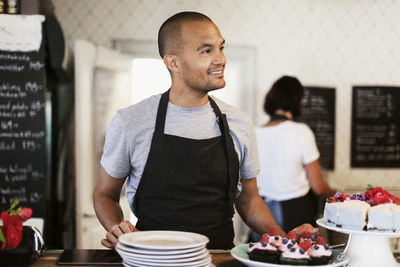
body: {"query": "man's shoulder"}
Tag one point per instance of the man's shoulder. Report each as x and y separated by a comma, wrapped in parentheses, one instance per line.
(232, 113)
(141, 110)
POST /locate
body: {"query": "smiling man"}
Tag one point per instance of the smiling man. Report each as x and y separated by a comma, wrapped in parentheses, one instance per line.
(188, 158)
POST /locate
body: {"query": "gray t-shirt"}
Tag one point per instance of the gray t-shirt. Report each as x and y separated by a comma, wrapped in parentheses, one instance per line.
(129, 135)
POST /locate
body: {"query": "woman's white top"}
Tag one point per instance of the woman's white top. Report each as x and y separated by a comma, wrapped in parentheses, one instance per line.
(283, 150)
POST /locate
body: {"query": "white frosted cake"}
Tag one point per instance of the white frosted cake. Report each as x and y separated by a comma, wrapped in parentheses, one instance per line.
(396, 218)
(376, 209)
(349, 214)
(381, 217)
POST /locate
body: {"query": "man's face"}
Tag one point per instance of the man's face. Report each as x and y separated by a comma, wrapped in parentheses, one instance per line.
(202, 56)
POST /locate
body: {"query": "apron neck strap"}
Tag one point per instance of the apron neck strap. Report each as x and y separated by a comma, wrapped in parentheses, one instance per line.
(162, 112)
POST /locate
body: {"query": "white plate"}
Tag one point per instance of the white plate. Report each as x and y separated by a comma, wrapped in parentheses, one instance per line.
(153, 252)
(161, 261)
(201, 262)
(131, 265)
(333, 227)
(163, 240)
(240, 253)
(178, 257)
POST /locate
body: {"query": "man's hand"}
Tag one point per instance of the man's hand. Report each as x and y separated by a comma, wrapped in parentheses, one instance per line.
(300, 229)
(115, 231)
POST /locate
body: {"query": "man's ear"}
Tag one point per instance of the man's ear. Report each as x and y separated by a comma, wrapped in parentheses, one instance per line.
(172, 63)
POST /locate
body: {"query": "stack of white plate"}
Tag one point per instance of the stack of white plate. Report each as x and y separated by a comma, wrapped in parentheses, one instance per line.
(164, 248)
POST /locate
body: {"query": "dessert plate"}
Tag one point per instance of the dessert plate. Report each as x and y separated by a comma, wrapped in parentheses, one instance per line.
(240, 253)
(159, 254)
(163, 240)
(333, 227)
(162, 258)
(190, 263)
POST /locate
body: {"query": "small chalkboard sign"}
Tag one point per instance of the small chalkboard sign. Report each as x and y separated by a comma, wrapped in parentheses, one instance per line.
(318, 113)
(23, 130)
(375, 128)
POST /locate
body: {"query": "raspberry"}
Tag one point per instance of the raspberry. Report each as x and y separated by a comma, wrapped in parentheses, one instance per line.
(320, 241)
(291, 235)
(264, 238)
(305, 245)
(306, 234)
(273, 231)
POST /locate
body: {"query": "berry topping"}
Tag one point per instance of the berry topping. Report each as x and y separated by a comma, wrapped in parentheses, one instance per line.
(306, 234)
(326, 247)
(320, 241)
(293, 241)
(292, 249)
(289, 246)
(291, 235)
(316, 247)
(273, 231)
(305, 245)
(272, 244)
(276, 238)
(250, 245)
(301, 251)
(264, 244)
(264, 238)
(284, 241)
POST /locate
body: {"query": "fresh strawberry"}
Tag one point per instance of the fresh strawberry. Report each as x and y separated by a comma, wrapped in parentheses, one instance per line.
(305, 245)
(264, 238)
(292, 235)
(306, 234)
(273, 231)
(320, 241)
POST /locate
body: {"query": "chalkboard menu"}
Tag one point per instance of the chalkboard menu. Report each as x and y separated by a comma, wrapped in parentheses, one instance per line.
(375, 129)
(22, 130)
(319, 113)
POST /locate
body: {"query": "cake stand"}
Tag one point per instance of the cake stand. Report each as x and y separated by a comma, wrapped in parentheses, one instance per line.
(367, 248)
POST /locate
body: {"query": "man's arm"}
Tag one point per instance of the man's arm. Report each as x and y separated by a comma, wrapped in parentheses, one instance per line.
(106, 196)
(257, 215)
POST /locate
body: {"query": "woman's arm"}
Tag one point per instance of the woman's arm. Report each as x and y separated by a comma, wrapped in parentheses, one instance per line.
(317, 182)
(257, 215)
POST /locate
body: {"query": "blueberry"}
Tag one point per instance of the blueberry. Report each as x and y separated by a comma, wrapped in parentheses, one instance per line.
(276, 237)
(326, 247)
(316, 247)
(301, 251)
(292, 249)
(314, 238)
(289, 246)
(284, 241)
(272, 244)
(293, 241)
(250, 245)
(264, 244)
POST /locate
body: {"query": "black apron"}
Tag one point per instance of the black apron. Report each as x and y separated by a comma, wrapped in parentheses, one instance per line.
(189, 185)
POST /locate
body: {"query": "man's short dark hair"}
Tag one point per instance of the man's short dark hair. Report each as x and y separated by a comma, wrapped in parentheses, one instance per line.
(286, 94)
(169, 35)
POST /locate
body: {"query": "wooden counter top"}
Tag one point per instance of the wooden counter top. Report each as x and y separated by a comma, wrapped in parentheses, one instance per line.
(219, 258)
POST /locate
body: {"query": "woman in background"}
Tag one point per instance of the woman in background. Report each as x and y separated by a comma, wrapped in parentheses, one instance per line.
(290, 178)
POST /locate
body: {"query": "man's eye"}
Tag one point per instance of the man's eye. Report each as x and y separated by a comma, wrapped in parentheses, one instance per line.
(207, 51)
(222, 48)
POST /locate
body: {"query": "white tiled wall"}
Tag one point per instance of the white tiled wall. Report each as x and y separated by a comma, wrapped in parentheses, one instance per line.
(336, 43)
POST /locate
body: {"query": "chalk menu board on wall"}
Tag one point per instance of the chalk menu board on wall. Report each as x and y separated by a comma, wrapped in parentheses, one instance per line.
(22, 130)
(375, 128)
(318, 112)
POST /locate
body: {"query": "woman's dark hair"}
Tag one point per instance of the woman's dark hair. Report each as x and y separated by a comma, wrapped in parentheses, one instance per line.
(286, 94)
